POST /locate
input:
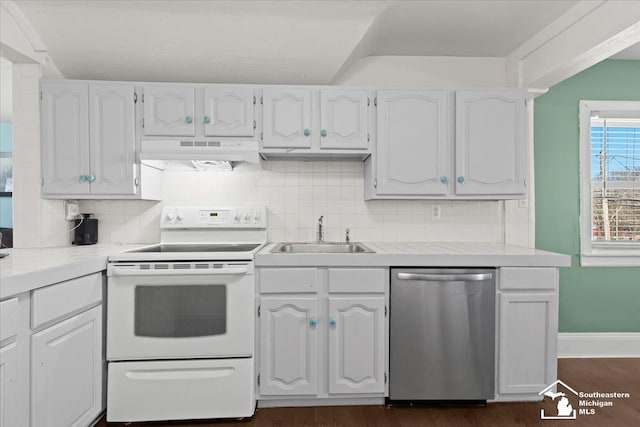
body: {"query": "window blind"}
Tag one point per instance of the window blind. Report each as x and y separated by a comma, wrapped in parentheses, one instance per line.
(615, 179)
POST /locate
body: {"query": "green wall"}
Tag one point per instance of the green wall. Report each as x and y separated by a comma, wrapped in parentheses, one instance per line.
(592, 299)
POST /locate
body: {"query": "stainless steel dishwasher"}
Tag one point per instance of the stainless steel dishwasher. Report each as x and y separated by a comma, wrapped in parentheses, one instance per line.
(442, 334)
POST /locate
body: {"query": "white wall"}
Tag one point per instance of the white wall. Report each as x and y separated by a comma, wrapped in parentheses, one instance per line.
(433, 71)
(36, 222)
(296, 194)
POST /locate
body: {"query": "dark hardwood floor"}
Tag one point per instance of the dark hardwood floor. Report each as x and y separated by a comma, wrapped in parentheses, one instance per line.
(587, 375)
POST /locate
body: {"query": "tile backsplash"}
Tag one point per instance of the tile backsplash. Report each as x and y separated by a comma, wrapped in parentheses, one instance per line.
(296, 193)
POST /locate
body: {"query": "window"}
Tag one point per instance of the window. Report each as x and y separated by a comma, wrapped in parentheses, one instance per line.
(610, 183)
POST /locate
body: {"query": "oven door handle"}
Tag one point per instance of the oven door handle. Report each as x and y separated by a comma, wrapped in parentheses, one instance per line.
(127, 271)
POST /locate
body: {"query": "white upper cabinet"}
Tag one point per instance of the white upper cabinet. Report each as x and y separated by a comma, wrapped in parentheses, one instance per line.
(286, 118)
(112, 145)
(169, 110)
(229, 111)
(344, 120)
(88, 142)
(65, 136)
(490, 142)
(414, 140)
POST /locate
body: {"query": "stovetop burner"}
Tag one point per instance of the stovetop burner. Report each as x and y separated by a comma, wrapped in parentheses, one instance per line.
(220, 247)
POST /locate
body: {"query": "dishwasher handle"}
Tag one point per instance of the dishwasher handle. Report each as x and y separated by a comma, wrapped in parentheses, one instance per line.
(434, 277)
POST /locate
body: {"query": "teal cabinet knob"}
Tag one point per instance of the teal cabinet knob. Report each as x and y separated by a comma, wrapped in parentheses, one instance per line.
(323, 133)
(188, 119)
(332, 321)
(306, 132)
(91, 178)
(461, 179)
(207, 119)
(443, 179)
(313, 321)
(83, 178)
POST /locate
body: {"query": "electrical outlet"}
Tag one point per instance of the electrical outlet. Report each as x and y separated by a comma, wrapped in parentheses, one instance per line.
(71, 210)
(435, 212)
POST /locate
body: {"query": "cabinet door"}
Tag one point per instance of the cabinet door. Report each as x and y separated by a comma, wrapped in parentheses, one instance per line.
(344, 119)
(66, 372)
(356, 345)
(228, 112)
(112, 140)
(65, 138)
(414, 139)
(490, 142)
(8, 386)
(287, 118)
(288, 346)
(168, 110)
(528, 327)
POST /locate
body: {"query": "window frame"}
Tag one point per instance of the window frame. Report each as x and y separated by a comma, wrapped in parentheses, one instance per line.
(594, 254)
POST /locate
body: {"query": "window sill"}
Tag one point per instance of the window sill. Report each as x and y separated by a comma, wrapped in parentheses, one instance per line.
(604, 258)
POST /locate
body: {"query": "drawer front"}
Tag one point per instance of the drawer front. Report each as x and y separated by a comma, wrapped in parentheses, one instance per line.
(357, 280)
(8, 318)
(288, 280)
(66, 298)
(177, 390)
(528, 278)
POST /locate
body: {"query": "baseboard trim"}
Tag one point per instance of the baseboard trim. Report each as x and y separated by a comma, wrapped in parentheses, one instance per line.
(598, 344)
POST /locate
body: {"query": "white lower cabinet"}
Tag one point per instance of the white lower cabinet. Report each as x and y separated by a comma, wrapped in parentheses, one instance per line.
(356, 344)
(66, 375)
(9, 416)
(289, 346)
(328, 340)
(527, 332)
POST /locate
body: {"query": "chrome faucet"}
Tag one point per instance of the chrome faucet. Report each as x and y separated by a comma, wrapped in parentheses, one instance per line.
(320, 229)
(346, 237)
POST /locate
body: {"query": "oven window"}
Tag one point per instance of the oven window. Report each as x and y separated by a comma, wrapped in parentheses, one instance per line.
(180, 311)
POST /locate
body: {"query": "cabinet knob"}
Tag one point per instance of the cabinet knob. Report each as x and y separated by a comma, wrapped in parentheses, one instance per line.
(83, 178)
(207, 119)
(313, 321)
(332, 321)
(306, 132)
(461, 179)
(323, 133)
(443, 179)
(91, 178)
(188, 119)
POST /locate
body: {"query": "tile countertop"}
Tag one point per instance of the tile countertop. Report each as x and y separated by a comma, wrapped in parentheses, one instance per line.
(422, 254)
(27, 269)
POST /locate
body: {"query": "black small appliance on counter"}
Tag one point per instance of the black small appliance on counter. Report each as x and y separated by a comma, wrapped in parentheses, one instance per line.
(86, 231)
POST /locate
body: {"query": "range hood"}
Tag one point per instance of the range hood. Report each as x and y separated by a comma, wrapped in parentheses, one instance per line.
(175, 149)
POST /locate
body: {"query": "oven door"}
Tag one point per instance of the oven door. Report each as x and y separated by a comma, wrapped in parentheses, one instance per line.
(180, 310)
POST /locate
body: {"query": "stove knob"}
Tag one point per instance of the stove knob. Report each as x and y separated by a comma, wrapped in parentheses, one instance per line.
(170, 217)
(237, 217)
(247, 217)
(180, 216)
(257, 216)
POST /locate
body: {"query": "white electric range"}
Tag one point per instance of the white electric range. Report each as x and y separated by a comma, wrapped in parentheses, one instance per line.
(180, 318)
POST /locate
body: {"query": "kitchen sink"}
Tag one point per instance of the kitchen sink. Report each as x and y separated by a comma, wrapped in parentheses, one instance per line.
(321, 248)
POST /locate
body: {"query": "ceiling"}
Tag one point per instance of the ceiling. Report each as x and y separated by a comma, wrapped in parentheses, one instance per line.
(271, 41)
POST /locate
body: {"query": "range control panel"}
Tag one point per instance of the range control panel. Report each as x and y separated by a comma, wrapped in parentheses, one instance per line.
(213, 217)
